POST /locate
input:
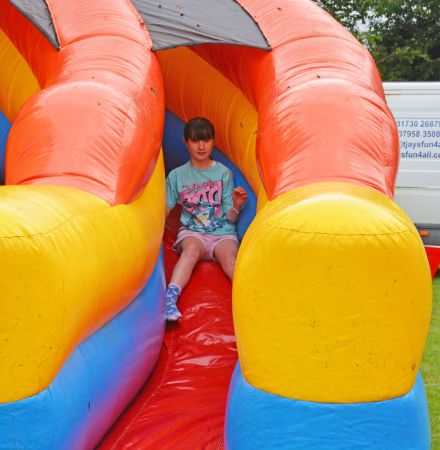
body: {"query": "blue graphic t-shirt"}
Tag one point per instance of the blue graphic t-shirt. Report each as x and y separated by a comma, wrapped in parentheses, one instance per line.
(205, 196)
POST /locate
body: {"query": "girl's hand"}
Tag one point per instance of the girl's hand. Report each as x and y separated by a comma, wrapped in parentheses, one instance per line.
(239, 197)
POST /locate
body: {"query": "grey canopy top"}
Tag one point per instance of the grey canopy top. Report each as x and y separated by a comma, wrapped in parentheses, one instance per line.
(36, 12)
(173, 23)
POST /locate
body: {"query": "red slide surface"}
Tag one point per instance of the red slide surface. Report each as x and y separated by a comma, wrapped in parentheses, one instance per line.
(182, 405)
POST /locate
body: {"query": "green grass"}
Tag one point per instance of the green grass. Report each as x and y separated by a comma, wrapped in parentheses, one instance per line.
(431, 368)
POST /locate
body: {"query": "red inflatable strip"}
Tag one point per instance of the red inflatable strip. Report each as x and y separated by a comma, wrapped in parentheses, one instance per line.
(182, 405)
(433, 254)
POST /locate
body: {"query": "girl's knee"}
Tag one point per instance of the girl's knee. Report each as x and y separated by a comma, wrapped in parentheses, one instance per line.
(228, 264)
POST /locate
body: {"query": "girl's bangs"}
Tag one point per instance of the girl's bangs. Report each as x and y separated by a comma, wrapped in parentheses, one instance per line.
(201, 132)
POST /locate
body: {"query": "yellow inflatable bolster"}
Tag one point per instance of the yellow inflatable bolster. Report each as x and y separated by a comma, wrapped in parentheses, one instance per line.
(70, 262)
(332, 296)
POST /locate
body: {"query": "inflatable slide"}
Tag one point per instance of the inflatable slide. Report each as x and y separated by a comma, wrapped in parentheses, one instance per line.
(332, 290)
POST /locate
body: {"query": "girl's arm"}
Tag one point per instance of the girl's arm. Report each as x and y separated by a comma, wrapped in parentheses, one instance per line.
(239, 198)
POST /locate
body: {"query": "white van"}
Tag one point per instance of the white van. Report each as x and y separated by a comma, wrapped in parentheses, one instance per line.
(416, 108)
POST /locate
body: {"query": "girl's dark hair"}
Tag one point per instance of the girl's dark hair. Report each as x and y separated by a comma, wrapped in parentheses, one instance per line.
(198, 129)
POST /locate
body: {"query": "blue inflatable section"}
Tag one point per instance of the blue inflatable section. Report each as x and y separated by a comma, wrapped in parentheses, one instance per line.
(5, 126)
(175, 155)
(97, 382)
(398, 424)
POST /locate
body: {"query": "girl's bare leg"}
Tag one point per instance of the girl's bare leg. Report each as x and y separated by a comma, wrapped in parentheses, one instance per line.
(226, 254)
(193, 251)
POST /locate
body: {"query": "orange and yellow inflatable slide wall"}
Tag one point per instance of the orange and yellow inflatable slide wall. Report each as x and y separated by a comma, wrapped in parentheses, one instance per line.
(332, 291)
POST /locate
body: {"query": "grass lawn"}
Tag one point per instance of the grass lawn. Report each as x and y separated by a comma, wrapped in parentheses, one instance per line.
(431, 368)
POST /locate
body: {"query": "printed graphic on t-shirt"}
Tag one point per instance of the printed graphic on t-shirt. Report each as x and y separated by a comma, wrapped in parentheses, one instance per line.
(203, 202)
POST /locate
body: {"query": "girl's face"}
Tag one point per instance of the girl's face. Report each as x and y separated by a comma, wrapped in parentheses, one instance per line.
(200, 150)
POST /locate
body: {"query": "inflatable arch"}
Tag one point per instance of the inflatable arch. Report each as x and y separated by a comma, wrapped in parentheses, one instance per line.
(332, 291)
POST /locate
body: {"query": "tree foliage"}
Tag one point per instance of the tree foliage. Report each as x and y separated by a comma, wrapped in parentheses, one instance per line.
(402, 35)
